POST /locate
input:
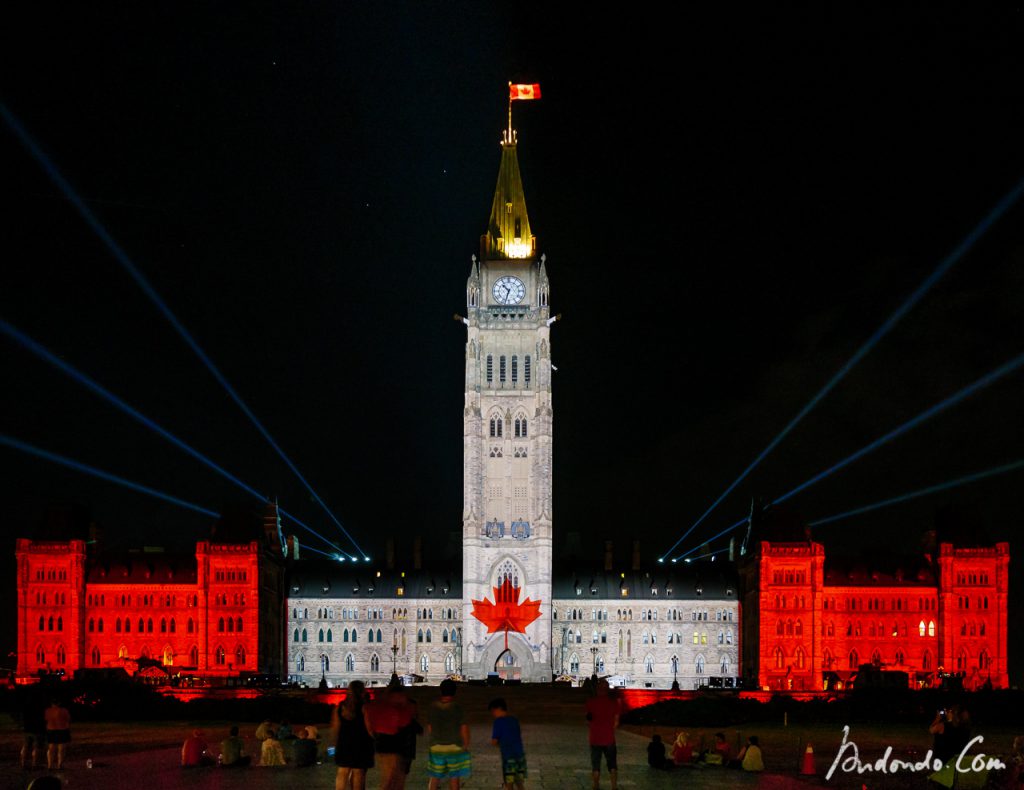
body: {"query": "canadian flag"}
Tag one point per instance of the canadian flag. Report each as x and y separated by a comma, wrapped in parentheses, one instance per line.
(523, 92)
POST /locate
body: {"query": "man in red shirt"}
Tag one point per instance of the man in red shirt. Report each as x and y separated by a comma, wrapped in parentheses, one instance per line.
(385, 720)
(603, 716)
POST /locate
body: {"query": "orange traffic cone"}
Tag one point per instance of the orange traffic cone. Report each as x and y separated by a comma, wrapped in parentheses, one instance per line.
(807, 767)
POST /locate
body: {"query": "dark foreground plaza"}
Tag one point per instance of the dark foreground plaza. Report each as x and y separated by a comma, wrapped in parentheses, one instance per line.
(146, 754)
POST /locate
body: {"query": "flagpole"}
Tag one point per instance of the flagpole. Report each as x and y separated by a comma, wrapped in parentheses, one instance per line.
(509, 112)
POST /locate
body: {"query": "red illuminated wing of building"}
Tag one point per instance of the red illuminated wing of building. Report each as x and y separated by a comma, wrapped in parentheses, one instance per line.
(506, 614)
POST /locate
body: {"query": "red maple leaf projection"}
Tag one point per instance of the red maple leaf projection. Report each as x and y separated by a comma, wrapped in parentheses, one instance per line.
(506, 614)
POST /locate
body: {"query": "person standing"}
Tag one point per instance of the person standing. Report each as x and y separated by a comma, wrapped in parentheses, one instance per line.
(603, 718)
(353, 752)
(449, 740)
(58, 734)
(33, 721)
(386, 720)
(508, 737)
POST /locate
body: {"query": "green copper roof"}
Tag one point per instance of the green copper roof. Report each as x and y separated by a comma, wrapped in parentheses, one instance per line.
(508, 231)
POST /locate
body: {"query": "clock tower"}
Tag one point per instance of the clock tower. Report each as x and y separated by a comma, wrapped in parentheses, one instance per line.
(507, 425)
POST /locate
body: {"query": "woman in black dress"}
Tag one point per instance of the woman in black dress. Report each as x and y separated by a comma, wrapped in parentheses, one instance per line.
(353, 751)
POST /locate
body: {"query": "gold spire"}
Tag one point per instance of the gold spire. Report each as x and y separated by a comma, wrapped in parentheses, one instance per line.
(508, 231)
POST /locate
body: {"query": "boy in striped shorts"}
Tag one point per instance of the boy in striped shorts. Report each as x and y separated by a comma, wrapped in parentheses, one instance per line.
(449, 740)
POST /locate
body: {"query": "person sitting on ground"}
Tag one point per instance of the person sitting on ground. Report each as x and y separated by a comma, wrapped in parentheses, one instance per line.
(304, 749)
(656, 753)
(682, 749)
(750, 757)
(232, 751)
(266, 727)
(720, 753)
(271, 753)
(285, 732)
(193, 751)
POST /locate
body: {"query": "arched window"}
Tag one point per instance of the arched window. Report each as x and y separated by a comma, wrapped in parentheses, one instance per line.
(172, 627)
(330, 635)
(501, 368)
(149, 625)
(780, 628)
(95, 656)
(800, 658)
(231, 625)
(700, 665)
(449, 663)
(320, 636)
(428, 635)
(854, 660)
(984, 660)
(649, 664)
(780, 657)
(375, 663)
(526, 370)
(127, 625)
(424, 659)
(515, 370)
(798, 628)
(220, 657)
(300, 664)
(826, 659)
(168, 656)
(931, 628)
(238, 624)
(899, 658)
(574, 664)
(240, 656)
(926, 660)
(60, 623)
(725, 665)
(304, 635)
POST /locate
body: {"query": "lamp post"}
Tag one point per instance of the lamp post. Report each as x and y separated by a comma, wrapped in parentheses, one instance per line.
(323, 672)
(394, 661)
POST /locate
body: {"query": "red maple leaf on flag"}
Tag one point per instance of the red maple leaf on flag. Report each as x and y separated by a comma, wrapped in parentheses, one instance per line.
(506, 614)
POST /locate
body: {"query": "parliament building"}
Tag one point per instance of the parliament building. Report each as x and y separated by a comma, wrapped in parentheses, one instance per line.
(774, 615)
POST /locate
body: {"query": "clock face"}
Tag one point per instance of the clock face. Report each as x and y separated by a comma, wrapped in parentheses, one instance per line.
(508, 290)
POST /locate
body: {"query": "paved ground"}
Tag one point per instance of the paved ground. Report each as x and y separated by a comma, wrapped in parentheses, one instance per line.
(145, 756)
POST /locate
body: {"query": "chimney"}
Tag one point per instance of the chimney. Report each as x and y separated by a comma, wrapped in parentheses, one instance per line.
(389, 554)
(732, 549)
(609, 556)
(272, 528)
(417, 553)
(636, 555)
(95, 538)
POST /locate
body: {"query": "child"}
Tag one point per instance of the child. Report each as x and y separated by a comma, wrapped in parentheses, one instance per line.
(449, 740)
(507, 736)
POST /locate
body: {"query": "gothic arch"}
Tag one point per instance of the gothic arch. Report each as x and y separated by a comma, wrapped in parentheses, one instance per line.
(503, 565)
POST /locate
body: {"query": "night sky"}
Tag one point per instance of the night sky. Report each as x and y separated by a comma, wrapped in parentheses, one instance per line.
(729, 206)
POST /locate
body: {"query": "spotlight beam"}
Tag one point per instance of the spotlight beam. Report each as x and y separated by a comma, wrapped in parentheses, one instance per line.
(945, 486)
(913, 422)
(45, 354)
(944, 266)
(70, 463)
(989, 378)
(122, 257)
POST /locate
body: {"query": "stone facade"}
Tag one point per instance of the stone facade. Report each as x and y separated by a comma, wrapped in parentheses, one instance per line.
(216, 613)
